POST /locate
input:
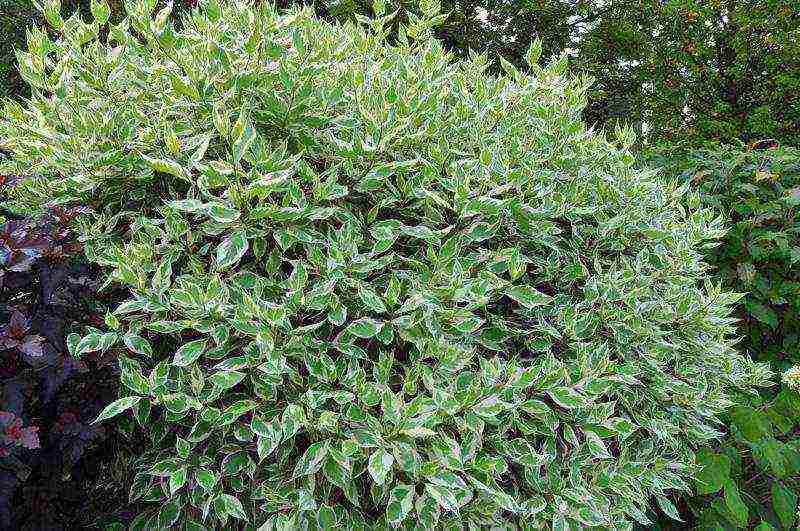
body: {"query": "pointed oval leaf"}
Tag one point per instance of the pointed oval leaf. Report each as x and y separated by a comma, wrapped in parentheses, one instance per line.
(189, 353)
(116, 407)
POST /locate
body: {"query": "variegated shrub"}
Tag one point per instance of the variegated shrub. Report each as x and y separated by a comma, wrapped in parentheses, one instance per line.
(372, 286)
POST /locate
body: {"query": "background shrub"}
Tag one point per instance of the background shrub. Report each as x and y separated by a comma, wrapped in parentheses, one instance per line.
(15, 17)
(752, 477)
(757, 188)
(367, 281)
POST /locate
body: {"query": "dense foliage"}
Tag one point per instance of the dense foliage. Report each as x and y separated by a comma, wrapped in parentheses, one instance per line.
(373, 285)
(757, 188)
(753, 476)
(48, 398)
(690, 69)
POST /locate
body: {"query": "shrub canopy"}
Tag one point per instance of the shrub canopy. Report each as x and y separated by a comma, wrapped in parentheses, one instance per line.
(370, 284)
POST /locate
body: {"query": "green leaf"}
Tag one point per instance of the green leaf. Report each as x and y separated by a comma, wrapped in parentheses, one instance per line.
(116, 407)
(365, 328)
(183, 88)
(784, 503)
(596, 445)
(567, 397)
(243, 135)
(89, 343)
(376, 178)
(751, 423)
(428, 512)
(380, 464)
(337, 469)
(490, 407)
(177, 480)
(168, 166)
(231, 250)
(299, 277)
(137, 344)
(371, 300)
(226, 379)
(763, 313)
(668, 507)
(292, 420)
(735, 505)
(223, 213)
(443, 496)
(187, 205)
(419, 432)
(100, 11)
(401, 501)
(312, 460)
(206, 479)
(714, 472)
(183, 447)
(169, 514)
(189, 353)
(528, 297)
(73, 340)
(269, 436)
(232, 506)
(326, 518)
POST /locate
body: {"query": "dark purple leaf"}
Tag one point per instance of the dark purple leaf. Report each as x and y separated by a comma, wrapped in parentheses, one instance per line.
(18, 326)
(30, 437)
(6, 418)
(33, 346)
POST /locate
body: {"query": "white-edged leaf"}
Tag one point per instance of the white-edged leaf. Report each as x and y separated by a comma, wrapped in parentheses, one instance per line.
(223, 213)
(596, 445)
(380, 464)
(365, 328)
(232, 249)
(528, 297)
(312, 459)
(116, 407)
(233, 507)
(189, 353)
(206, 479)
(226, 379)
(401, 501)
(167, 166)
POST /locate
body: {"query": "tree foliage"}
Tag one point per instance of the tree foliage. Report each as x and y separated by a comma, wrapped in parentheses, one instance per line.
(691, 71)
(370, 284)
